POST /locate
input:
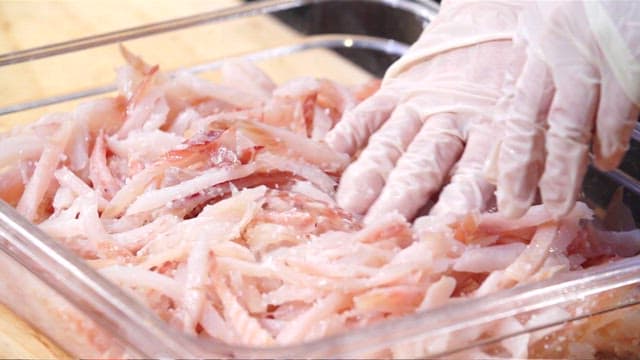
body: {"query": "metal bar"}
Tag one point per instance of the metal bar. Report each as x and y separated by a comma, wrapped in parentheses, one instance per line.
(425, 10)
(311, 42)
(624, 179)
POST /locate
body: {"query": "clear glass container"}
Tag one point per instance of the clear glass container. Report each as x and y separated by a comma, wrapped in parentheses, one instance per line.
(349, 41)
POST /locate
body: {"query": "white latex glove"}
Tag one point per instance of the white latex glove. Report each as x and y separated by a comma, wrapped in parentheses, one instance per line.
(579, 86)
(430, 122)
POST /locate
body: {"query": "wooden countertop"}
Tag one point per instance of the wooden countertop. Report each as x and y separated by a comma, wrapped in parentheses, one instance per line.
(25, 24)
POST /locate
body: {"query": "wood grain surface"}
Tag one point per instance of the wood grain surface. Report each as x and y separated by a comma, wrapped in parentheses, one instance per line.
(25, 24)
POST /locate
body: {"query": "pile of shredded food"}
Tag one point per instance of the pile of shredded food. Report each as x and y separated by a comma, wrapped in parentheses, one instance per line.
(213, 204)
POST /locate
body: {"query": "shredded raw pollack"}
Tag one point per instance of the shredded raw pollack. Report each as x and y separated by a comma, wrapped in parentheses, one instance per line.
(214, 205)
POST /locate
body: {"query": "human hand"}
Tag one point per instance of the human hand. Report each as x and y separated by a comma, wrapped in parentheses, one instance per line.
(431, 121)
(580, 86)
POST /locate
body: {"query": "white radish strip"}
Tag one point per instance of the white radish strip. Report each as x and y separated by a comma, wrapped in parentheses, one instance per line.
(496, 223)
(157, 198)
(245, 268)
(99, 172)
(456, 339)
(516, 345)
(183, 121)
(135, 238)
(100, 114)
(395, 299)
(11, 184)
(313, 265)
(60, 227)
(234, 213)
(175, 237)
(188, 86)
(136, 277)
(297, 88)
(63, 199)
(249, 329)
(530, 260)
(547, 316)
(567, 232)
(43, 173)
(338, 245)
(322, 124)
(237, 207)
(270, 269)
(158, 114)
(262, 235)
(397, 273)
(438, 293)
(251, 296)
(194, 293)
(488, 259)
(234, 250)
(415, 255)
(78, 148)
(393, 226)
(130, 191)
(179, 254)
(96, 234)
(299, 168)
(333, 324)
(273, 326)
(313, 152)
(310, 190)
(152, 108)
(491, 284)
(20, 147)
(66, 178)
(297, 328)
(215, 325)
(125, 223)
(144, 145)
(288, 293)
(293, 276)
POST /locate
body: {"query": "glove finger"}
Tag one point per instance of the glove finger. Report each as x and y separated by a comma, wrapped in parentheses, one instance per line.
(508, 89)
(363, 180)
(352, 132)
(570, 123)
(616, 119)
(468, 190)
(421, 170)
(521, 154)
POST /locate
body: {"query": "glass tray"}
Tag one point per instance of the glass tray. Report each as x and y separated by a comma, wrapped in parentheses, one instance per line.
(39, 277)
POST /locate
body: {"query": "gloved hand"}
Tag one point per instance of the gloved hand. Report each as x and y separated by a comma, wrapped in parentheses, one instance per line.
(580, 86)
(430, 122)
